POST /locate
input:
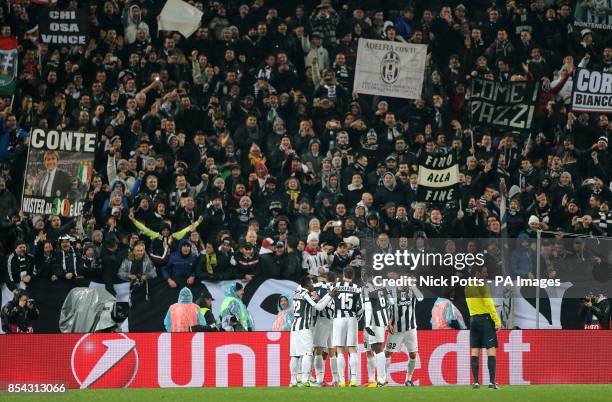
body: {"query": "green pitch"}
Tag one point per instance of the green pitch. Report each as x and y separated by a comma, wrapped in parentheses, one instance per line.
(555, 393)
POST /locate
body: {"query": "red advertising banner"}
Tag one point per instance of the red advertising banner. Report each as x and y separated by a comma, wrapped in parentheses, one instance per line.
(152, 360)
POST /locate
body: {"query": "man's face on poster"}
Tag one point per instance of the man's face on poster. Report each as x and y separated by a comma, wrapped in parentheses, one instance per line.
(50, 161)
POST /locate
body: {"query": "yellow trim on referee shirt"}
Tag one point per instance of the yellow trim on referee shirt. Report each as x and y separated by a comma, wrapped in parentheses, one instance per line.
(479, 301)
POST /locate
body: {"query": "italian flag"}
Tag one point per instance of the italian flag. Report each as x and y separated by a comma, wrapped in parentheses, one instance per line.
(8, 66)
(85, 171)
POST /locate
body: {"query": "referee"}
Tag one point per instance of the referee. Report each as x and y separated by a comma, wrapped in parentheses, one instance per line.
(484, 322)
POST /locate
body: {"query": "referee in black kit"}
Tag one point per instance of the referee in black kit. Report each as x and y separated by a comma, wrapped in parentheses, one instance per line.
(484, 322)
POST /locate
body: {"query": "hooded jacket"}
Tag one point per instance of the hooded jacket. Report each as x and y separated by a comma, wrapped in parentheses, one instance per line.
(385, 195)
(523, 259)
(184, 314)
(233, 305)
(285, 317)
(178, 265)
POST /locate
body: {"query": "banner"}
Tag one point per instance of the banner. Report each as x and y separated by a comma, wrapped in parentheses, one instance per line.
(180, 16)
(388, 68)
(165, 360)
(438, 178)
(8, 66)
(64, 27)
(592, 91)
(508, 105)
(593, 15)
(58, 172)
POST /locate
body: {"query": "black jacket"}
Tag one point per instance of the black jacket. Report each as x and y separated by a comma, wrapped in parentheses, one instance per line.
(13, 314)
(15, 265)
(110, 262)
(284, 266)
(67, 262)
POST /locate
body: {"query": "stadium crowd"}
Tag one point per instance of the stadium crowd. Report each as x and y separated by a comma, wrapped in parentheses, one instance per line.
(242, 151)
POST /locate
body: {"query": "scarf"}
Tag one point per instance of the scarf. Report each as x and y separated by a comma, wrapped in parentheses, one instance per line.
(210, 262)
(312, 252)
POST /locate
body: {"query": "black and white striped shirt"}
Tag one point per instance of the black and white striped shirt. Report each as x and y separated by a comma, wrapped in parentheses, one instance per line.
(323, 289)
(313, 261)
(377, 302)
(304, 308)
(347, 302)
(403, 317)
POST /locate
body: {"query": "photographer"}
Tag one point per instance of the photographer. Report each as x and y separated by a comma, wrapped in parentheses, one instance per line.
(137, 267)
(18, 313)
(595, 311)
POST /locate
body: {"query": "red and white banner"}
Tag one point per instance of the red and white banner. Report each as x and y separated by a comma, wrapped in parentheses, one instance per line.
(152, 360)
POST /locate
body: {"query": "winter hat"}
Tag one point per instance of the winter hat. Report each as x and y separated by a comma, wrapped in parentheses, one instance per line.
(312, 236)
(352, 240)
(514, 191)
(267, 243)
(534, 220)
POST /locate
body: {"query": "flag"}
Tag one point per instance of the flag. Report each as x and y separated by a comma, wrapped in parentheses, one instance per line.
(180, 16)
(8, 66)
(85, 171)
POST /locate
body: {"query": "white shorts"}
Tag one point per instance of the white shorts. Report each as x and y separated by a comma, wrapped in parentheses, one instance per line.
(300, 343)
(408, 338)
(378, 337)
(322, 334)
(345, 331)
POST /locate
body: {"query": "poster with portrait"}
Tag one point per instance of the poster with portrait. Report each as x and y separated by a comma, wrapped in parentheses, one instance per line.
(58, 172)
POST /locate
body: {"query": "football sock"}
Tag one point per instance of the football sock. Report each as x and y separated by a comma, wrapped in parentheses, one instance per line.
(381, 362)
(474, 364)
(491, 362)
(333, 362)
(293, 369)
(341, 367)
(371, 368)
(411, 366)
(353, 364)
(319, 367)
(306, 368)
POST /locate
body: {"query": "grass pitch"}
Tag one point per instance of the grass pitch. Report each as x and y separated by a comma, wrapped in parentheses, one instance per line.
(532, 393)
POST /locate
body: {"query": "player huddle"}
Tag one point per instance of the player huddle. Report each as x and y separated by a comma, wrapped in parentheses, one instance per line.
(326, 323)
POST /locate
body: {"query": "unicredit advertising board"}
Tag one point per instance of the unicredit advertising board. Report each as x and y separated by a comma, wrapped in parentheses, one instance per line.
(151, 360)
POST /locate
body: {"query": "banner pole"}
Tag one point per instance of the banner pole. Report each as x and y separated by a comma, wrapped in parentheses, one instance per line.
(538, 250)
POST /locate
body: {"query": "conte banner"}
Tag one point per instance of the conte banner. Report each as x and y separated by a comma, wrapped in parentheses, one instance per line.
(592, 91)
(63, 27)
(58, 172)
(387, 68)
(508, 105)
(438, 178)
(162, 360)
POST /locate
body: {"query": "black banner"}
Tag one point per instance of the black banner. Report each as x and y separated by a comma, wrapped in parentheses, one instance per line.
(592, 91)
(63, 27)
(508, 105)
(438, 177)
